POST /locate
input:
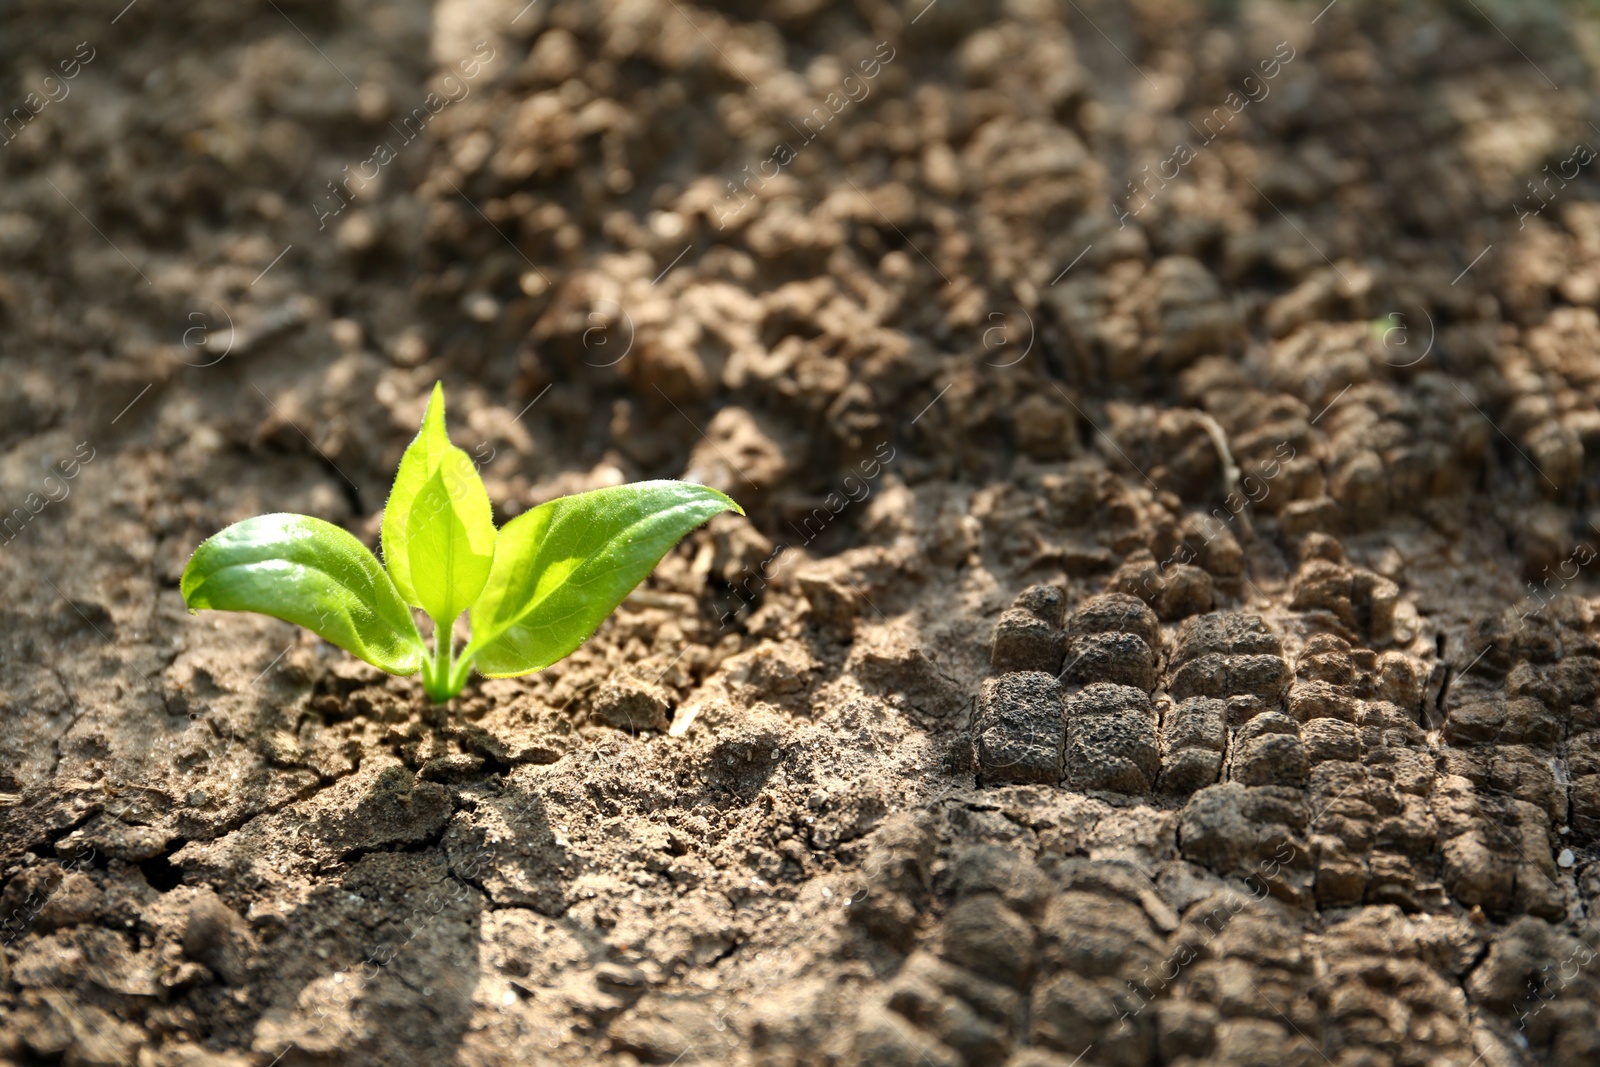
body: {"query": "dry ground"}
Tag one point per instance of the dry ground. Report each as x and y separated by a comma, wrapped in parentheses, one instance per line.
(1266, 337)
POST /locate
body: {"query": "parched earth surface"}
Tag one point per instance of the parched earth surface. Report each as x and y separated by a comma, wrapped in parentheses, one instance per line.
(1164, 631)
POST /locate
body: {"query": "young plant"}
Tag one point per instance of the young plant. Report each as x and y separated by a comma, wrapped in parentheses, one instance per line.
(536, 588)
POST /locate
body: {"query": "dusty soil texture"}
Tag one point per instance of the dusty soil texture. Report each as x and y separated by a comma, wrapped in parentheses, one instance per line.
(1165, 629)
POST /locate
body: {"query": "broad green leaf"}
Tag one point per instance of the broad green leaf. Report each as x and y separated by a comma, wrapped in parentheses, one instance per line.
(561, 568)
(448, 566)
(311, 573)
(438, 527)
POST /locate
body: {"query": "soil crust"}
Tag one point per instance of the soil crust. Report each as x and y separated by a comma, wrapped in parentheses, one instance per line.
(1164, 631)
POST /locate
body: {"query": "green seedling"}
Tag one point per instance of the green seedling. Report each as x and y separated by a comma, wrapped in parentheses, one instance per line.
(535, 589)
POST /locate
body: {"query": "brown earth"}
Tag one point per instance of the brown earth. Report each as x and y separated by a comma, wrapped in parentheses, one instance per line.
(1142, 649)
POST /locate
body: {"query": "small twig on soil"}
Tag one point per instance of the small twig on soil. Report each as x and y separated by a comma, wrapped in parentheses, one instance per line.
(1230, 469)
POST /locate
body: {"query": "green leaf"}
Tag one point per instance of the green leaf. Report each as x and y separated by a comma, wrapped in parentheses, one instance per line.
(311, 573)
(561, 568)
(438, 527)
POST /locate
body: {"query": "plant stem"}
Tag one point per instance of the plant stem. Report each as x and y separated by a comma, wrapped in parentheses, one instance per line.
(458, 673)
(437, 681)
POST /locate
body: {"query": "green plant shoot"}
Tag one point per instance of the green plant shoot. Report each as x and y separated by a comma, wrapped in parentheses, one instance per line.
(536, 588)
